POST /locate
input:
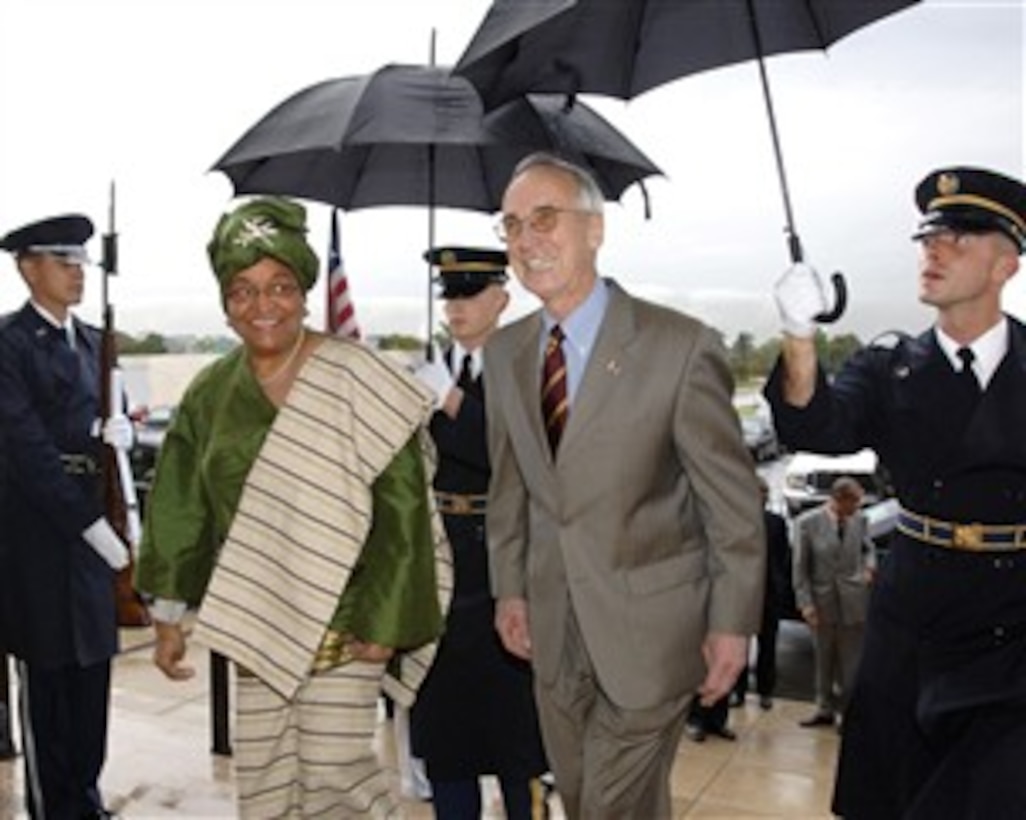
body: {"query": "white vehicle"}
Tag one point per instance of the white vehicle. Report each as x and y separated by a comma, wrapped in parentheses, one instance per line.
(809, 476)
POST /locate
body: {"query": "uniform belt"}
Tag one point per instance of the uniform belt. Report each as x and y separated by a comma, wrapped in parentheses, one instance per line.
(458, 504)
(79, 464)
(969, 537)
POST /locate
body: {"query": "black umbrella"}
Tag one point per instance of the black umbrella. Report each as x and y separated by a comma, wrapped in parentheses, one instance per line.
(418, 135)
(625, 47)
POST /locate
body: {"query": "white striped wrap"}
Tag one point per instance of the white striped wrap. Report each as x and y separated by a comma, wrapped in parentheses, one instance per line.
(305, 511)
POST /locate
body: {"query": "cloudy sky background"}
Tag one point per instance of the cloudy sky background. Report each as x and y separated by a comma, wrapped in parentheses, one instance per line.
(151, 94)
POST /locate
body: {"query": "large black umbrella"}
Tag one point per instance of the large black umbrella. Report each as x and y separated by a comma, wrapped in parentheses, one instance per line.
(418, 135)
(623, 48)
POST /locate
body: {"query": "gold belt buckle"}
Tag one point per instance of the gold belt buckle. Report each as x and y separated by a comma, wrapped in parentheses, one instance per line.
(968, 536)
(461, 504)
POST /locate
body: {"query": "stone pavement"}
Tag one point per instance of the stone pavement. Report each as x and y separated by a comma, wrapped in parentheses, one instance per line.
(160, 764)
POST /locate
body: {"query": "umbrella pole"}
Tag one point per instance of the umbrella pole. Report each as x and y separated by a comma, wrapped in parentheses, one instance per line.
(793, 242)
(429, 352)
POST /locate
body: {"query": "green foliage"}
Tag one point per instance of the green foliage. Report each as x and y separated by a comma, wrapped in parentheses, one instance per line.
(749, 361)
(399, 341)
(150, 343)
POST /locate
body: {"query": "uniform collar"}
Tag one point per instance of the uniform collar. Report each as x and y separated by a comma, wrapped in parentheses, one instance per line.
(476, 359)
(988, 350)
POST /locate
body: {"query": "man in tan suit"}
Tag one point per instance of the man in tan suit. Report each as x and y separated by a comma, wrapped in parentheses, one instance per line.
(625, 530)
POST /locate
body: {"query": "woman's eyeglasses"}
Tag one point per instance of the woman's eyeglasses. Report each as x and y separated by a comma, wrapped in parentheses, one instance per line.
(245, 294)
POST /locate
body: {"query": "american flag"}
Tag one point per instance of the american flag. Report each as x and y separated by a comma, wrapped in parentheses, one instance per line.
(341, 314)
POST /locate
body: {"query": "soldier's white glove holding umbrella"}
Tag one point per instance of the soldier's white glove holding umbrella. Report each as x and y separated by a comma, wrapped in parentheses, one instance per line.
(800, 298)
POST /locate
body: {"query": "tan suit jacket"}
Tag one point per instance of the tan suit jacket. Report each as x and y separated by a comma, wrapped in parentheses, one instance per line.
(830, 573)
(649, 528)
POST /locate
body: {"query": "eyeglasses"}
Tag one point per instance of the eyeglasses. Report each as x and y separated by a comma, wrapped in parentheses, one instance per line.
(541, 220)
(245, 294)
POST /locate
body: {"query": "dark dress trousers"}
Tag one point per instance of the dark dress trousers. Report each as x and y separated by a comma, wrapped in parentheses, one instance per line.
(475, 712)
(778, 602)
(57, 603)
(936, 727)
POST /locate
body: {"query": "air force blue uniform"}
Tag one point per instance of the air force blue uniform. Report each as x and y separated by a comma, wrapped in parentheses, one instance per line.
(57, 595)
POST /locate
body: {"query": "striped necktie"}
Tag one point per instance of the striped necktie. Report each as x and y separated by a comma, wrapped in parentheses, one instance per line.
(553, 393)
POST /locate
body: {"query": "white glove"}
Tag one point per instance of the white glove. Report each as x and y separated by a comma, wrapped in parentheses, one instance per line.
(800, 298)
(117, 431)
(436, 377)
(101, 537)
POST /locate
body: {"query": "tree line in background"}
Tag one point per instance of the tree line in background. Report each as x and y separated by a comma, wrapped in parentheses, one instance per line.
(748, 360)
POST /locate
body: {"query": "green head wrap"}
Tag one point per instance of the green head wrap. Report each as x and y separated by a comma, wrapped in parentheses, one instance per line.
(270, 226)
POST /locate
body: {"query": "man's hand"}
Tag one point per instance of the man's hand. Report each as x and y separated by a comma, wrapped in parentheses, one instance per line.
(170, 650)
(436, 377)
(800, 298)
(725, 656)
(513, 626)
(100, 535)
(810, 616)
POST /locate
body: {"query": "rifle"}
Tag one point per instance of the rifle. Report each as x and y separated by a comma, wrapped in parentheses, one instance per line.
(120, 500)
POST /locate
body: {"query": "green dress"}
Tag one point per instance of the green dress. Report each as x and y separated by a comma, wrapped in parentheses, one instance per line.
(217, 433)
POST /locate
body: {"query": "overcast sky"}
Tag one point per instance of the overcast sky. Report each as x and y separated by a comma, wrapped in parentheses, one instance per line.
(151, 94)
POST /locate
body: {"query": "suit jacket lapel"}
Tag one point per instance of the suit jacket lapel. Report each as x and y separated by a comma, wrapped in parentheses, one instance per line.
(615, 333)
(527, 374)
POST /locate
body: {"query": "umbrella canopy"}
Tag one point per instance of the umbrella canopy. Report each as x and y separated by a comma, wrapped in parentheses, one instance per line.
(625, 48)
(418, 135)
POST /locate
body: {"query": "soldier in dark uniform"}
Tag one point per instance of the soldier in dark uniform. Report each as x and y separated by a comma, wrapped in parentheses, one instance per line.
(59, 554)
(936, 727)
(475, 713)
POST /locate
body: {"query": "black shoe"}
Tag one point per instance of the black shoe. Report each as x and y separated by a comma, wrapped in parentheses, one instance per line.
(725, 732)
(695, 732)
(765, 702)
(818, 719)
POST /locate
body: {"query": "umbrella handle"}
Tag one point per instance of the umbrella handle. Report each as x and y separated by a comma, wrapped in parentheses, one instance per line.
(840, 300)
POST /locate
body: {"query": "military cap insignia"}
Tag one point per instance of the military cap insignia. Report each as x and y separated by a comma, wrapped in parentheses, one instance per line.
(447, 259)
(948, 184)
(255, 229)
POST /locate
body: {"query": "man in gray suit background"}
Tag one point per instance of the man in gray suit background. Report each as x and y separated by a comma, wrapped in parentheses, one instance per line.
(834, 563)
(624, 517)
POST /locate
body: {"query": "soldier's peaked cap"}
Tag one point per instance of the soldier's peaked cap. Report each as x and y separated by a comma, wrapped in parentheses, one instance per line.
(972, 200)
(467, 271)
(55, 233)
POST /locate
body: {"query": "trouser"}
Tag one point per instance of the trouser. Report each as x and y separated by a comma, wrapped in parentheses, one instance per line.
(838, 648)
(312, 756)
(64, 738)
(610, 763)
(765, 661)
(522, 799)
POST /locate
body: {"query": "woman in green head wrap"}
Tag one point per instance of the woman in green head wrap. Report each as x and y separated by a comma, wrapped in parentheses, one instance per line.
(291, 504)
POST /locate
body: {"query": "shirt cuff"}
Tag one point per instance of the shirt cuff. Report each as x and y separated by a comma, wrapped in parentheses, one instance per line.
(167, 611)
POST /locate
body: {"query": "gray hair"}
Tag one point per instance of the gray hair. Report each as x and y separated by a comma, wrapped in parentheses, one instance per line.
(589, 194)
(846, 487)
